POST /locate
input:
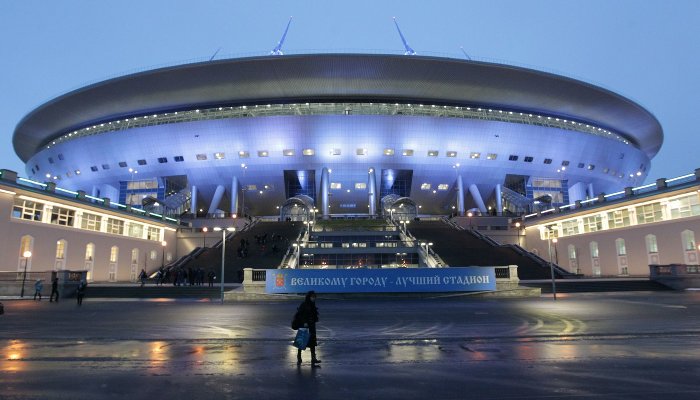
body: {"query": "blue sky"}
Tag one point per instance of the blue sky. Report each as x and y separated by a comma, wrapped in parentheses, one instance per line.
(646, 50)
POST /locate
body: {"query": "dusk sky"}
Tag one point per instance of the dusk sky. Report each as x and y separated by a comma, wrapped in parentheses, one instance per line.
(648, 51)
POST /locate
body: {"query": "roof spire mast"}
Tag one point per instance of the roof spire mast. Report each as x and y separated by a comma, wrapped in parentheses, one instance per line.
(277, 51)
(465, 54)
(409, 50)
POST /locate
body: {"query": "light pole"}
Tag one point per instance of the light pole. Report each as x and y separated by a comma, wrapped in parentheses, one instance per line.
(204, 237)
(162, 263)
(27, 254)
(517, 226)
(470, 215)
(223, 255)
(551, 240)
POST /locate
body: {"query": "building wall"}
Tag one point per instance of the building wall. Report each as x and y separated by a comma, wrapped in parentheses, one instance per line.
(45, 237)
(669, 238)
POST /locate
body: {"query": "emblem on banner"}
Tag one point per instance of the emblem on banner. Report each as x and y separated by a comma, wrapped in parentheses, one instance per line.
(279, 280)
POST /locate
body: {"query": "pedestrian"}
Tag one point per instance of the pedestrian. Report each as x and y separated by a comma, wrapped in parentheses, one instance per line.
(37, 289)
(54, 289)
(80, 291)
(308, 316)
(211, 276)
(142, 277)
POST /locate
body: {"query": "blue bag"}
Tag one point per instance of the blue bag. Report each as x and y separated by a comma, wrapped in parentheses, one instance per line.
(302, 338)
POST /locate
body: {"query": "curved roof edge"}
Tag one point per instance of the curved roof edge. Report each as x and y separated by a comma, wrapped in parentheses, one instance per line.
(337, 77)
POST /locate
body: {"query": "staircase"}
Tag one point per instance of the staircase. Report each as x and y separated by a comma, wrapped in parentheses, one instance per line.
(151, 291)
(599, 285)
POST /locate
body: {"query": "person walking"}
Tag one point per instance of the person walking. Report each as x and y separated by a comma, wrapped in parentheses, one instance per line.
(54, 289)
(38, 286)
(80, 291)
(142, 277)
(308, 316)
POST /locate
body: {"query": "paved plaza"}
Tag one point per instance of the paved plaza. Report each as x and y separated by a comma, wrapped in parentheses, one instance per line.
(643, 345)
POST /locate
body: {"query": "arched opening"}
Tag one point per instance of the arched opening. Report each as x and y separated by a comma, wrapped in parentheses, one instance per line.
(398, 208)
(297, 208)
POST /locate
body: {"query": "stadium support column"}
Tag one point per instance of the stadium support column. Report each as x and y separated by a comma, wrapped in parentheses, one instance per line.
(460, 195)
(474, 191)
(590, 191)
(193, 201)
(372, 190)
(218, 194)
(499, 203)
(234, 195)
(325, 188)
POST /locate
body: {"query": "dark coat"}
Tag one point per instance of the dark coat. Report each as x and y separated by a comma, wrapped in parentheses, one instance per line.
(308, 314)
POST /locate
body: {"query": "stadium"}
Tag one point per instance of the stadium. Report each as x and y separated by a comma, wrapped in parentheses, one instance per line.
(340, 134)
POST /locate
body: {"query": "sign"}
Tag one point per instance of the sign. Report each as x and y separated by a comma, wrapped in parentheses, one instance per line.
(394, 280)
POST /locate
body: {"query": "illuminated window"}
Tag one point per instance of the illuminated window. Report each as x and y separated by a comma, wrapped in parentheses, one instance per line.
(388, 152)
(288, 152)
(136, 230)
(361, 152)
(262, 153)
(89, 252)
(91, 222)
(336, 185)
(26, 209)
(154, 254)
(308, 152)
(451, 154)
(590, 167)
(61, 249)
(652, 246)
(407, 152)
(201, 157)
(618, 219)
(620, 246)
(115, 226)
(243, 154)
(153, 233)
(443, 186)
(492, 156)
(425, 186)
(219, 155)
(432, 153)
(360, 186)
(335, 152)
(474, 155)
(252, 187)
(113, 254)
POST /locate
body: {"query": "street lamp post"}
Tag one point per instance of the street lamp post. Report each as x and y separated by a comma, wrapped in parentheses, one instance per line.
(27, 254)
(223, 255)
(470, 215)
(517, 226)
(162, 263)
(551, 240)
(204, 237)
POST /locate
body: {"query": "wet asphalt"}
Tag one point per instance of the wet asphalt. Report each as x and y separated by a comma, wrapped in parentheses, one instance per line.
(643, 345)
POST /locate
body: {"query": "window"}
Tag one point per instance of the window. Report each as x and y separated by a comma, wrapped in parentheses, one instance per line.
(474, 155)
(512, 158)
(594, 249)
(491, 156)
(113, 254)
(308, 152)
(571, 249)
(134, 256)
(219, 156)
(37, 167)
(688, 237)
(361, 152)
(432, 153)
(201, 157)
(590, 167)
(360, 186)
(60, 157)
(61, 250)
(527, 159)
(89, 252)
(686, 206)
(451, 154)
(262, 153)
(546, 183)
(407, 152)
(123, 164)
(618, 219)
(153, 233)
(162, 160)
(569, 227)
(179, 158)
(93, 168)
(91, 222)
(564, 163)
(388, 152)
(243, 154)
(336, 185)
(443, 186)
(142, 162)
(136, 230)
(50, 160)
(649, 213)
(593, 223)
(288, 152)
(62, 216)
(105, 166)
(581, 165)
(27, 209)
(115, 226)
(335, 152)
(153, 254)
(547, 160)
(620, 246)
(425, 186)
(652, 246)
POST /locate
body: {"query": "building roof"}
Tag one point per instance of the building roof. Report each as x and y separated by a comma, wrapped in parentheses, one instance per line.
(337, 77)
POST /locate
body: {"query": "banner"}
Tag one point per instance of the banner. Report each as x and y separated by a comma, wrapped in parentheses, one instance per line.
(393, 280)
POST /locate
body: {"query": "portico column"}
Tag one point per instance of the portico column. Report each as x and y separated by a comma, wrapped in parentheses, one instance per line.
(590, 191)
(193, 201)
(474, 191)
(499, 204)
(372, 191)
(218, 194)
(460, 195)
(234, 195)
(325, 188)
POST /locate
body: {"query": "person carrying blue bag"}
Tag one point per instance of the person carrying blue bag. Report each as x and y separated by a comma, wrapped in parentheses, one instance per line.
(305, 322)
